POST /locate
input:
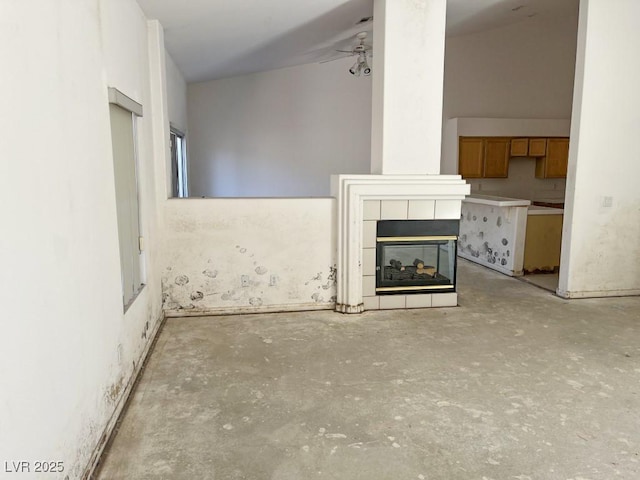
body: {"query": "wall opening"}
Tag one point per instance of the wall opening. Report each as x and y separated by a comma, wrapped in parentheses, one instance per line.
(179, 176)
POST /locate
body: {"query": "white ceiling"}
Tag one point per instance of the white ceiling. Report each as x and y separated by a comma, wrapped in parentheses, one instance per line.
(211, 39)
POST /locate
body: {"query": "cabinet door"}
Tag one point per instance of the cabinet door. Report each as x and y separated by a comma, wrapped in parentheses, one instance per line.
(470, 157)
(557, 158)
(496, 157)
(519, 147)
(537, 147)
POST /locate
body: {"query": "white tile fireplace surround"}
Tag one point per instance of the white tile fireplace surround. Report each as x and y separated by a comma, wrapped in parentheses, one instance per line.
(362, 200)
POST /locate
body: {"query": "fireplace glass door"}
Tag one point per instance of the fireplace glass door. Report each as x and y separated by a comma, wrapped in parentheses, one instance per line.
(415, 263)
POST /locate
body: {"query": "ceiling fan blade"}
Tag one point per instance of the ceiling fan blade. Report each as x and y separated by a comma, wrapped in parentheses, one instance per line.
(346, 51)
(334, 59)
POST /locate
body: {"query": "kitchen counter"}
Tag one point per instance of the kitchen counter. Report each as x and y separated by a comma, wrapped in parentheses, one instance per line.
(496, 201)
(539, 210)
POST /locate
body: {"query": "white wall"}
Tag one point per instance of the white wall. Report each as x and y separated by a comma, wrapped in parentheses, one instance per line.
(600, 248)
(524, 70)
(67, 350)
(511, 81)
(521, 183)
(285, 248)
(278, 133)
(176, 95)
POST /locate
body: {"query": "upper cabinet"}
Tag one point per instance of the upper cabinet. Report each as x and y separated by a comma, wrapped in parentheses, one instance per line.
(496, 157)
(537, 147)
(481, 157)
(554, 163)
(488, 157)
(471, 156)
(519, 147)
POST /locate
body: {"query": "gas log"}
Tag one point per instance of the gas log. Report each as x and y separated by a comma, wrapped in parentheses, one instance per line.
(428, 270)
(397, 264)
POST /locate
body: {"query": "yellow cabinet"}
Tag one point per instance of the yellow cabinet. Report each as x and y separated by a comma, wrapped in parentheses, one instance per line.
(519, 147)
(543, 240)
(481, 157)
(554, 163)
(537, 147)
(496, 157)
(470, 157)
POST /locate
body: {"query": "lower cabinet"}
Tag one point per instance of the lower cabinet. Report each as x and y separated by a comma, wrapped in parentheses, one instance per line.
(543, 241)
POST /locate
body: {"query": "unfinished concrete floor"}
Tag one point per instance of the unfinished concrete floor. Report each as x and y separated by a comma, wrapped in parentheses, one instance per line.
(513, 384)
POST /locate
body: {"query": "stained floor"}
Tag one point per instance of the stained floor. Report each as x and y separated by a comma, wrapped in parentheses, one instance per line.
(513, 384)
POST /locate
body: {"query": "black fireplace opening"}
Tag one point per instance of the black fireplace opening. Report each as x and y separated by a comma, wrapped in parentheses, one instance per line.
(416, 256)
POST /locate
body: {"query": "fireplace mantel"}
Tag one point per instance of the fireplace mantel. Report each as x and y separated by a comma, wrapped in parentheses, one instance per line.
(445, 191)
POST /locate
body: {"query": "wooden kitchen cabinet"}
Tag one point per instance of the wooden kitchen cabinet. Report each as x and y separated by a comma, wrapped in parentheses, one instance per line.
(519, 147)
(470, 157)
(537, 147)
(554, 163)
(480, 157)
(543, 242)
(496, 157)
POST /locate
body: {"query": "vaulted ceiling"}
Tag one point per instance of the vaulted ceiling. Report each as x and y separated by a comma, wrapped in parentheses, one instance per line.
(211, 39)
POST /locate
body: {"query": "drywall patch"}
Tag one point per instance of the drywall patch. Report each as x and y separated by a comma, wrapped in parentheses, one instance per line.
(255, 302)
(197, 295)
(176, 295)
(210, 273)
(113, 391)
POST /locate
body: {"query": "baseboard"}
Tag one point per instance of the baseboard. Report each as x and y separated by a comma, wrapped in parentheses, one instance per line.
(243, 310)
(597, 293)
(122, 402)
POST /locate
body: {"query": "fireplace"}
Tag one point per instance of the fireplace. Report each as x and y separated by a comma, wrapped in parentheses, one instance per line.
(416, 256)
(418, 201)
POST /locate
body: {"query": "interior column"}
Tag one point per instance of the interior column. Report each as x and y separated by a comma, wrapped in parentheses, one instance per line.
(408, 73)
(600, 247)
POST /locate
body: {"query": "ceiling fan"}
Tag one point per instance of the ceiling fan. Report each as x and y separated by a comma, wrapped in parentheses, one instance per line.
(362, 51)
